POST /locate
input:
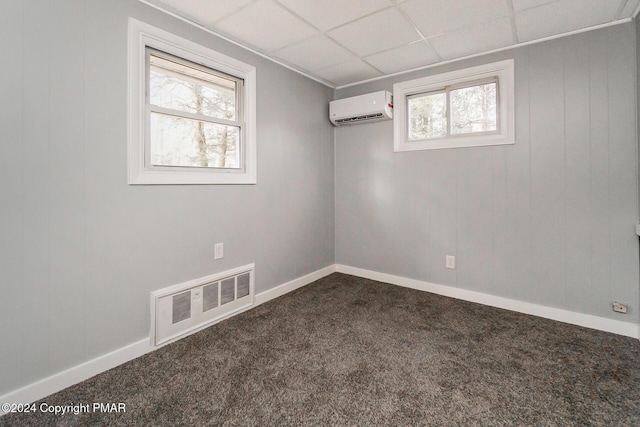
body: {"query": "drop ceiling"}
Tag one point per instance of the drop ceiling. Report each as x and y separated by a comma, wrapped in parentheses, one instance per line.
(342, 42)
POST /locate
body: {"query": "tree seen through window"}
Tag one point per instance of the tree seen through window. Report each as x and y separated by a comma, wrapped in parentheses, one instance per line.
(192, 117)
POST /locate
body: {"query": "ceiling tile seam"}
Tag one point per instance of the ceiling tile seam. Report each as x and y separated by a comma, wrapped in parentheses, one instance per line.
(489, 52)
(372, 66)
(358, 19)
(623, 5)
(355, 56)
(512, 14)
(328, 30)
(239, 44)
(346, 62)
(410, 21)
(549, 3)
(295, 15)
(364, 57)
(290, 12)
(235, 12)
(636, 11)
(415, 27)
(469, 28)
(427, 41)
(306, 39)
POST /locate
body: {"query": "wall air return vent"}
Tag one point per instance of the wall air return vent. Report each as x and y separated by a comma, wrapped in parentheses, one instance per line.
(182, 309)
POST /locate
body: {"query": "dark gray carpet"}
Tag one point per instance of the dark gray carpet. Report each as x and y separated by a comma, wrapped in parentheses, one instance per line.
(351, 351)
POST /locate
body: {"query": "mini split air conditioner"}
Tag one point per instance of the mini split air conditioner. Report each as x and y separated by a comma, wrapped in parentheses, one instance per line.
(372, 107)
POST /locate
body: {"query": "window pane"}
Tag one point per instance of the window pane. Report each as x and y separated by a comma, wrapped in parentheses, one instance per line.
(177, 141)
(179, 87)
(428, 116)
(473, 109)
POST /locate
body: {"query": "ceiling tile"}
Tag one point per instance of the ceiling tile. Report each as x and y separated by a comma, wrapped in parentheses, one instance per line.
(375, 33)
(314, 54)
(348, 72)
(563, 16)
(203, 12)
(325, 16)
(404, 58)
(434, 17)
(266, 25)
(482, 38)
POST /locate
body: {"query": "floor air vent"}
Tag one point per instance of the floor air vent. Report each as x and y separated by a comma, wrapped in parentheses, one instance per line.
(185, 308)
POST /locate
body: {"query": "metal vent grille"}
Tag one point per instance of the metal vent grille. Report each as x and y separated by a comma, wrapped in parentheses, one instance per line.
(185, 308)
(228, 291)
(181, 307)
(244, 280)
(210, 297)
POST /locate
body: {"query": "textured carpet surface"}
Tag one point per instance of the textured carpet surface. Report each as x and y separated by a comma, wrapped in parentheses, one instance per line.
(351, 351)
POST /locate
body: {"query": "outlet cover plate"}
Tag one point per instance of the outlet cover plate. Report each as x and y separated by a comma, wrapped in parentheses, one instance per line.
(218, 251)
(619, 307)
(450, 262)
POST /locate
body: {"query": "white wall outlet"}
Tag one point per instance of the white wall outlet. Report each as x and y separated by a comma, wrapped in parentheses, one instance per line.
(218, 251)
(450, 262)
(619, 307)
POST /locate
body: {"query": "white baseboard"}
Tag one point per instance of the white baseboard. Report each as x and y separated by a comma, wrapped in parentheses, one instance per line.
(43, 388)
(565, 316)
(278, 291)
(76, 374)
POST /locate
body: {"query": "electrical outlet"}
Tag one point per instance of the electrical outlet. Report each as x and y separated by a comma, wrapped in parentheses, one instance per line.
(619, 307)
(450, 262)
(218, 251)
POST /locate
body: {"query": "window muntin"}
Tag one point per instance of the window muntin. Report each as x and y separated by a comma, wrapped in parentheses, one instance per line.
(469, 108)
(193, 115)
(462, 108)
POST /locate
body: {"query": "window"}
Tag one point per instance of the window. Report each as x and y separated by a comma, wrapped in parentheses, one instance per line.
(192, 112)
(465, 108)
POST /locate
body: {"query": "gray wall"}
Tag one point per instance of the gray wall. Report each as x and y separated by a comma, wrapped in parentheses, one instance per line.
(638, 112)
(549, 220)
(81, 250)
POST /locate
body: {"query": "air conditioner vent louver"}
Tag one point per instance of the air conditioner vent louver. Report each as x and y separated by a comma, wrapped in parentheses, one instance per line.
(185, 308)
(372, 107)
(360, 118)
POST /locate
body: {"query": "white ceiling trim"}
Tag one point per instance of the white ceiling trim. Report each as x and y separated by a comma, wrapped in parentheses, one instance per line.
(230, 40)
(544, 39)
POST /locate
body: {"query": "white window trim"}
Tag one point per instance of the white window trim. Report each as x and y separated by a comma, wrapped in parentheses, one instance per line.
(503, 70)
(142, 35)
